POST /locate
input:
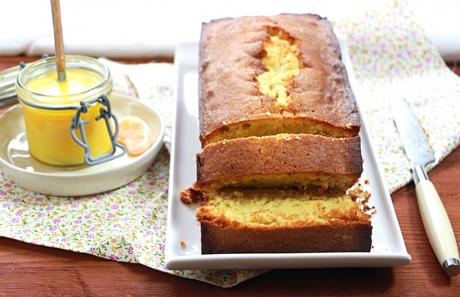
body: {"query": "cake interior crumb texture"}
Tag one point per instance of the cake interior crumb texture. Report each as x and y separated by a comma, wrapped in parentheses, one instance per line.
(280, 208)
(281, 58)
(282, 221)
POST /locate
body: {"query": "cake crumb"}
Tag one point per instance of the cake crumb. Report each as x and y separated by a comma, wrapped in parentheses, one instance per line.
(190, 195)
(366, 181)
(182, 244)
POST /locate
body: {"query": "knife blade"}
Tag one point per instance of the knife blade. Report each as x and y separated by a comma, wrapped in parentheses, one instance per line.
(434, 216)
(412, 136)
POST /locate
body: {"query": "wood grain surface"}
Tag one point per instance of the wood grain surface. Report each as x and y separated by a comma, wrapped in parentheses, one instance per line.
(28, 270)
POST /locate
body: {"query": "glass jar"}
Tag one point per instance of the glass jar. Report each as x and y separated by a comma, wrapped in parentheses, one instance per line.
(69, 122)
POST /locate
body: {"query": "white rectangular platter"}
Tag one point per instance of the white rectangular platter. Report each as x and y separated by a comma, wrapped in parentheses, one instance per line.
(388, 247)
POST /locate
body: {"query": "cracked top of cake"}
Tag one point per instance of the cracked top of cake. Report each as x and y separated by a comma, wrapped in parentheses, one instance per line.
(269, 75)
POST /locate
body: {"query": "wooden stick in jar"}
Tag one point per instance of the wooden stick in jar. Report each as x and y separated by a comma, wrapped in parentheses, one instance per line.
(58, 39)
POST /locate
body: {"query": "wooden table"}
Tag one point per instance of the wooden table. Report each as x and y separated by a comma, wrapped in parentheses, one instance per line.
(28, 270)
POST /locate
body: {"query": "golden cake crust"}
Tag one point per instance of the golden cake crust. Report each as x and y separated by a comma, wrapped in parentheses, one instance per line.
(229, 162)
(350, 237)
(230, 61)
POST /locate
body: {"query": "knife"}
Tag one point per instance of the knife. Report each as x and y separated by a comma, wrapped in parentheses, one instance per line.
(434, 216)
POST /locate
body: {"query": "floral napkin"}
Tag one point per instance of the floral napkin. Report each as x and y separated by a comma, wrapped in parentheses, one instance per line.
(392, 59)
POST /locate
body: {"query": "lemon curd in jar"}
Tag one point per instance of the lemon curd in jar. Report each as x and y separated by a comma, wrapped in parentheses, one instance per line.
(47, 105)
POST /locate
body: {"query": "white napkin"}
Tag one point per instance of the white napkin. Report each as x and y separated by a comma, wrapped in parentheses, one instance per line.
(141, 28)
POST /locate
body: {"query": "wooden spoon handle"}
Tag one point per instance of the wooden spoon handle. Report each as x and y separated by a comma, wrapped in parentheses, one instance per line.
(58, 38)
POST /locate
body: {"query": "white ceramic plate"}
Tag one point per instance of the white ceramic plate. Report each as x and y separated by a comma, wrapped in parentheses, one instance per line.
(388, 245)
(80, 180)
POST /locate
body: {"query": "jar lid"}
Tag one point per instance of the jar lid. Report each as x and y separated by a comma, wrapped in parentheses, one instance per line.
(87, 78)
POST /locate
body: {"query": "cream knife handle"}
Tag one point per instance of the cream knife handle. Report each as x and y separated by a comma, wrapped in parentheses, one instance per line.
(438, 227)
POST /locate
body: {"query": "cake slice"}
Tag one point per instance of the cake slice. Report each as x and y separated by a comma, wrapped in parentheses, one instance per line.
(276, 221)
(303, 161)
(263, 76)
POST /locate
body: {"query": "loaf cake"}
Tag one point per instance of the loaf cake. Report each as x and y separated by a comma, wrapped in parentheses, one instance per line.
(263, 76)
(278, 221)
(279, 132)
(312, 162)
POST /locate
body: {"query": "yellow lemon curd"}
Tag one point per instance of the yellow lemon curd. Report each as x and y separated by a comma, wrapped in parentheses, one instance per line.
(48, 131)
(282, 63)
